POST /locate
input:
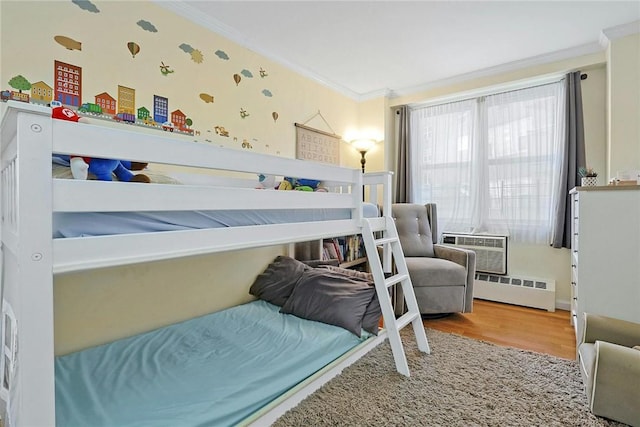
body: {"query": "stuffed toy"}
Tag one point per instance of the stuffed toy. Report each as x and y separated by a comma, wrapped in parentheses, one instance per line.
(266, 181)
(103, 169)
(285, 185)
(299, 184)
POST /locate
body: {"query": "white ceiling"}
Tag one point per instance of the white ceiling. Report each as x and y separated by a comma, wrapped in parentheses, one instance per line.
(366, 48)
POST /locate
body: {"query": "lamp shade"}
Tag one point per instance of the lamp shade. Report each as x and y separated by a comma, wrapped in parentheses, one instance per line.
(363, 144)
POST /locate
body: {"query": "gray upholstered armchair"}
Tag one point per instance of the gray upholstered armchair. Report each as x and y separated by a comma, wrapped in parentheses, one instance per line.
(442, 276)
(610, 367)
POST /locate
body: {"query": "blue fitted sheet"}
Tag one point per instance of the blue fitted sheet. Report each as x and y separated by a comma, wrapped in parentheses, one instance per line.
(107, 223)
(213, 370)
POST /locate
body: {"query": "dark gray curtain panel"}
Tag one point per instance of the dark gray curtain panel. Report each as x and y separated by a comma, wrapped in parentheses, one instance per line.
(574, 151)
(403, 167)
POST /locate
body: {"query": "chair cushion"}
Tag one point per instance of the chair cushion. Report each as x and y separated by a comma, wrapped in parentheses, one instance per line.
(413, 229)
(587, 359)
(426, 271)
(440, 299)
(587, 356)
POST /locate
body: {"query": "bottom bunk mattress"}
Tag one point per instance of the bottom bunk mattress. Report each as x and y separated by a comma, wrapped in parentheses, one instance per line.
(213, 370)
(82, 224)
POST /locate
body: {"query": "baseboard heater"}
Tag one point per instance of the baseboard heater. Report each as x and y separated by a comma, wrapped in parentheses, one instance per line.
(528, 292)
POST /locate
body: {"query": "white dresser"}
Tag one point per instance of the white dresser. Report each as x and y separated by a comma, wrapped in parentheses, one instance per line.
(605, 253)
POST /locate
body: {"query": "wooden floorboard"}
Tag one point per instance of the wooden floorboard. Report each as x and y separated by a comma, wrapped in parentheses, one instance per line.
(513, 326)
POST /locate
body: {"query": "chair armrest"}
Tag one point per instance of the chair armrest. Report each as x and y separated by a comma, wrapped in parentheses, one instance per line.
(465, 258)
(622, 332)
(458, 255)
(615, 392)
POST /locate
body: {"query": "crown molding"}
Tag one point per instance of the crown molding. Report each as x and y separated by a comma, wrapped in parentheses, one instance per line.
(381, 93)
(192, 14)
(619, 31)
(546, 58)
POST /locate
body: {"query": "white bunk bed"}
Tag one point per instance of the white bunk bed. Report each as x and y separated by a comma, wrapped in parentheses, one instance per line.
(30, 256)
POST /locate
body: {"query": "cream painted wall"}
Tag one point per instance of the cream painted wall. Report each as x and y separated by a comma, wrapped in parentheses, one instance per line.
(594, 96)
(103, 305)
(98, 306)
(538, 260)
(623, 66)
(371, 124)
(577, 63)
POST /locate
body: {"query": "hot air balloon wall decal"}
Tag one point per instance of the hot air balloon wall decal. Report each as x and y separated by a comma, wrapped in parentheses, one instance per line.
(275, 116)
(134, 48)
(237, 79)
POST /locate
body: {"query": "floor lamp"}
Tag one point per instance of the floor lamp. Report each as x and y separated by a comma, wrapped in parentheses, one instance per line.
(362, 146)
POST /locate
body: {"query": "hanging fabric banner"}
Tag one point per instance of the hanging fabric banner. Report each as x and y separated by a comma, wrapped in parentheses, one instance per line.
(316, 145)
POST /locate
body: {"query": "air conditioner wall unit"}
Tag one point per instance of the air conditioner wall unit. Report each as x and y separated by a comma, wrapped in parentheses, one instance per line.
(491, 250)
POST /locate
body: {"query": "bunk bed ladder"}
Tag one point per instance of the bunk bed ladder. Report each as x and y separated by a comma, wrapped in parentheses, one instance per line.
(383, 282)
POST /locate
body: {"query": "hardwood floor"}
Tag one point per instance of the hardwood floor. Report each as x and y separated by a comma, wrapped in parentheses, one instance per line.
(513, 326)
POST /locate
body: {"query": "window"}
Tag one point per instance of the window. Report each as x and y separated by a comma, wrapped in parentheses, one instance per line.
(492, 164)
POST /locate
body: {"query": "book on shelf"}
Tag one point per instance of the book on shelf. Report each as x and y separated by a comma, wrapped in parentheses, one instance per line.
(345, 249)
(354, 248)
(330, 249)
(338, 250)
(334, 249)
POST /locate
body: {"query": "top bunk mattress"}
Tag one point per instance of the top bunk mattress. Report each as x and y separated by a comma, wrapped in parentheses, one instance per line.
(216, 369)
(72, 224)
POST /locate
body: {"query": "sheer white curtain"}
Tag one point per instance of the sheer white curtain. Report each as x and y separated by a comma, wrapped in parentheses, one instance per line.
(492, 164)
(443, 156)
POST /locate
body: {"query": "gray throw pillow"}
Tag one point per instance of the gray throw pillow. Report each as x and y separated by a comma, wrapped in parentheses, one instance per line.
(315, 263)
(371, 319)
(276, 283)
(363, 275)
(372, 315)
(330, 298)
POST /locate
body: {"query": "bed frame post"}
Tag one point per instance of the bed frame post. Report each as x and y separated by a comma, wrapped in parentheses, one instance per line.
(29, 287)
(387, 260)
(381, 182)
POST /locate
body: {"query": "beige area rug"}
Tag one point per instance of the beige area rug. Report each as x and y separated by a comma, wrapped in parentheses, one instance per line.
(463, 382)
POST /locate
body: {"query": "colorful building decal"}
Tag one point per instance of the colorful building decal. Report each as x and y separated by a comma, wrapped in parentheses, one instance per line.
(107, 102)
(160, 108)
(68, 83)
(126, 100)
(178, 118)
(41, 93)
(143, 113)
